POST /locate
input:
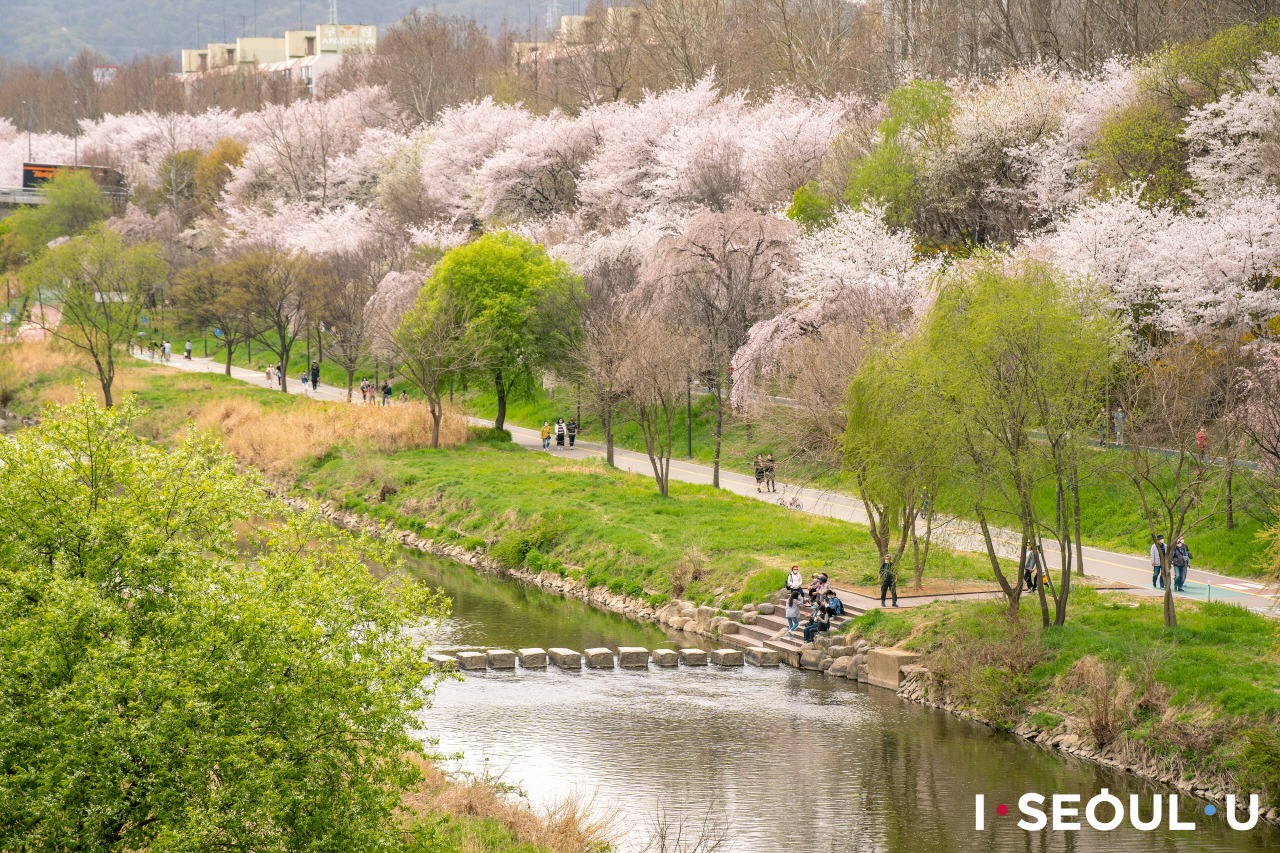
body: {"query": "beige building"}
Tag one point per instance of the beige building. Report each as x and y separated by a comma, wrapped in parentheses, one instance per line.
(303, 55)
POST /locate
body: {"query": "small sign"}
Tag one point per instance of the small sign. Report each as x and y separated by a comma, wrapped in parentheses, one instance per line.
(217, 333)
(142, 320)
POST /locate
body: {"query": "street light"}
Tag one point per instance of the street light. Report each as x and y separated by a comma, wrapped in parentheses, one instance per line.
(75, 129)
(26, 111)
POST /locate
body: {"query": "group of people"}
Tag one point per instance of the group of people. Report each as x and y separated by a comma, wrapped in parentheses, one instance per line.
(819, 597)
(764, 473)
(560, 431)
(370, 392)
(1179, 558)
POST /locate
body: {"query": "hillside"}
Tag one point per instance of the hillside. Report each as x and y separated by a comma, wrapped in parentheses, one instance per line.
(43, 32)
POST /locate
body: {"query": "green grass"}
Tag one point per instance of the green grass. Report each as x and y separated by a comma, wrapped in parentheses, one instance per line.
(1220, 655)
(1112, 513)
(700, 542)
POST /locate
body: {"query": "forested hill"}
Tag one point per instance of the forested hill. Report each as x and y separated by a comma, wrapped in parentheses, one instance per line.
(120, 29)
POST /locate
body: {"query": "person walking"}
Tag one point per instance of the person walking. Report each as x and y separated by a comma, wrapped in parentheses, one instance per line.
(1202, 440)
(1157, 562)
(545, 434)
(559, 433)
(1030, 568)
(571, 430)
(315, 375)
(1119, 422)
(167, 350)
(768, 474)
(186, 351)
(305, 378)
(792, 612)
(386, 392)
(795, 582)
(758, 465)
(888, 581)
(1181, 562)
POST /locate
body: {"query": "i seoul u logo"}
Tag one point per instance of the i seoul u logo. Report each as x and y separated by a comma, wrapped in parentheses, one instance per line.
(1105, 812)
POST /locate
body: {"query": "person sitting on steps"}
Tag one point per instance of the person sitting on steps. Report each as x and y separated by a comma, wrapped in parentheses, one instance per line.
(819, 621)
(833, 603)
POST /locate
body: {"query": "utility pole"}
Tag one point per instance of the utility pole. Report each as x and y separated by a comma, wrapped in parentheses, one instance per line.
(688, 412)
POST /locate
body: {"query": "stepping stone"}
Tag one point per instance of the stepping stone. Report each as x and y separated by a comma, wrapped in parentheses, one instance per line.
(532, 658)
(472, 660)
(664, 657)
(633, 657)
(760, 656)
(443, 662)
(727, 657)
(598, 658)
(693, 657)
(501, 659)
(565, 658)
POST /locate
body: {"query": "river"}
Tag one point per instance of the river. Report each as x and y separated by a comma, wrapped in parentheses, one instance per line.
(770, 760)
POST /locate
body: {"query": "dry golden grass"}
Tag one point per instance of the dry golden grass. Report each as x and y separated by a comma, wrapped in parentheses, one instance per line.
(569, 826)
(279, 441)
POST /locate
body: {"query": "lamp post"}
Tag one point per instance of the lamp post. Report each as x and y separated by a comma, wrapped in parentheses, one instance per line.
(26, 110)
(75, 130)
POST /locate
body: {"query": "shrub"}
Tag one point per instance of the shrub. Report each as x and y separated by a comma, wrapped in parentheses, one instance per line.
(1260, 762)
(1108, 698)
(1142, 144)
(491, 436)
(512, 548)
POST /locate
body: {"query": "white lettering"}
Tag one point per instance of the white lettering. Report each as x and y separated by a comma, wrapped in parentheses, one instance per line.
(1061, 811)
(1104, 799)
(1135, 816)
(1028, 805)
(979, 812)
(1174, 823)
(1253, 812)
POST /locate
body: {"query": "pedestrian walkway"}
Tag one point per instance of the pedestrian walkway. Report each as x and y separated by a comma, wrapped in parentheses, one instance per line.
(955, 533)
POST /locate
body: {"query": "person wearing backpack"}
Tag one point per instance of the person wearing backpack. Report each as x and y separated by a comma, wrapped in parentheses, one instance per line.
(571, 430)
(1181, 562)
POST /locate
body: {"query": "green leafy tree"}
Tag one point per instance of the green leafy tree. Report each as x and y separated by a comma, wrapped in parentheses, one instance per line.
(889, 174)
(521, 308)
(1013, 361)
(186, 664)
(92, 290)
(433, 346)
(73, 204)
(1142, 144)
(177, 188)
(810, 207)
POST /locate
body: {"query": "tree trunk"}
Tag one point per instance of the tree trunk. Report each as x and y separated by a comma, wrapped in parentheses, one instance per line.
(106, 393)
(1075, 505)
(501, 388)
(351, 381)
(228, 368)
(435, 423)
(606, 422)
(1231, 504)
(715, 467)
(1170, 613)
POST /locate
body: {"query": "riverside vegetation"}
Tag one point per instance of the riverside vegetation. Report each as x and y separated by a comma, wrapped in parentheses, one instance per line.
(1200, 697)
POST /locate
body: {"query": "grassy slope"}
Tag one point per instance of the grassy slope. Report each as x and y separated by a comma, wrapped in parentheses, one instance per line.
(1112, 514)
(699, 542)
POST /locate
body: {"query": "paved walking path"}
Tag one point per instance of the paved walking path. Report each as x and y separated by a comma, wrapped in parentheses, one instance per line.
(1125, 569)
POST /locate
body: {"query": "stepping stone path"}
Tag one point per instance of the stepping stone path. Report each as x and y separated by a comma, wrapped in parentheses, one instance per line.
(626, 657)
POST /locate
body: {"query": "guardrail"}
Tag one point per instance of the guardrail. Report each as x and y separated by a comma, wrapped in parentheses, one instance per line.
(20, 195)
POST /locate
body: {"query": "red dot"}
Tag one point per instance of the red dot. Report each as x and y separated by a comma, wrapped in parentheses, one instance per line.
(1002, 810)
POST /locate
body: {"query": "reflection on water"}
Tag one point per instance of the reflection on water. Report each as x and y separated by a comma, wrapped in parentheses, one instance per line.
(781, 760)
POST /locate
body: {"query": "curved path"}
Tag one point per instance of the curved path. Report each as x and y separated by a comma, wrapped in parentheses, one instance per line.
(956, 533)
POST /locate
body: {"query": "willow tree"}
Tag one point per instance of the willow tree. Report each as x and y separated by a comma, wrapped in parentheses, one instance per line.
(91, 291)
(1014, 359)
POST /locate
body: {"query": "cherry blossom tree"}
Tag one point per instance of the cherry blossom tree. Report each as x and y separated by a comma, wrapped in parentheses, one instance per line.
(722, 274)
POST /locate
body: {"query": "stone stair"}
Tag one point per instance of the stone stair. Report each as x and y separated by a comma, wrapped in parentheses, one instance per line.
(768, 626)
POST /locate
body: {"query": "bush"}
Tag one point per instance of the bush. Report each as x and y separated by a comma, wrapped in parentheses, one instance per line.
(1142, 144)
(541, 535)
(1260, 763)
(491, 436)
(810, 207)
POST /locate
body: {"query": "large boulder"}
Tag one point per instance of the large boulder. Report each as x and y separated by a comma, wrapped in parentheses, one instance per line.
(765, 609)
(840, 666)
(811, 659)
